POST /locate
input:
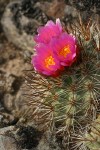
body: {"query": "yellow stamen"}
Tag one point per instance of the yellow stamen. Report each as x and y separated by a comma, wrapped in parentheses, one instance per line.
(65, 51)
(49, 61)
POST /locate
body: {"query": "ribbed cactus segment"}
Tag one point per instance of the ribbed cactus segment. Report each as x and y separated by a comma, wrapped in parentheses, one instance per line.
(70, 102)
(93, 137)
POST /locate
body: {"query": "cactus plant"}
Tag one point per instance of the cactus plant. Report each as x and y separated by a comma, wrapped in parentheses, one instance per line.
(69, 104)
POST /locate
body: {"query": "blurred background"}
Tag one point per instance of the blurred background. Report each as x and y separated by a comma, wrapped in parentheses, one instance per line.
(19, 20)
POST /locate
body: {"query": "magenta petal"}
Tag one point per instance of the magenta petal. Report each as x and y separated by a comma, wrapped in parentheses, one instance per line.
(36, 38)
(50, 30)
(45, 61)
(64, 43)
(50, 23)
(58, 23)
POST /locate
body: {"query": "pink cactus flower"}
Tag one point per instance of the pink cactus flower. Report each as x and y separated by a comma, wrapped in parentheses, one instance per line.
(54, 50)
(45, 61)
(50, 30)
(64, 48)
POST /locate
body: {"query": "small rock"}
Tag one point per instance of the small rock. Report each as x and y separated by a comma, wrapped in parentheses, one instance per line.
(69, 10)
(7, 143)
(8, 82)
(85, 5)
(19, 22)
(46, 145)
(8, 102)
(7, 119)
(4, 130)
(23, 40)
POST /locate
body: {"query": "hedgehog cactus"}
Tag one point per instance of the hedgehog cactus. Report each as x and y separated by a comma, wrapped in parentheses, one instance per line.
(67, 104)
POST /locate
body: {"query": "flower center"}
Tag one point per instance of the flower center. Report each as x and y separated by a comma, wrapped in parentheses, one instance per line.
(65, 51)
(49, 61)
